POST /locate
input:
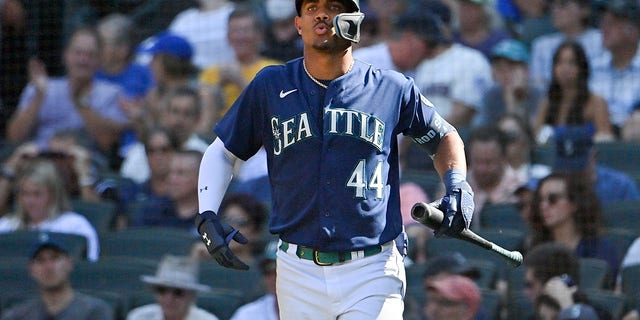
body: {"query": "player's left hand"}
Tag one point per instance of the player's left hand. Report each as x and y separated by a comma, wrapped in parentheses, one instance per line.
(457, 204)
(216, 236)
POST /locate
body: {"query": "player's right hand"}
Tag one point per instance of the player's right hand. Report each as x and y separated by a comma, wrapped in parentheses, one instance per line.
(457, 205)
(216, 236)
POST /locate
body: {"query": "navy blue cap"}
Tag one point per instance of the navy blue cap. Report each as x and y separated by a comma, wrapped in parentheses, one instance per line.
(454, 263)
(48, 240)
(574, 145)
(169, 43)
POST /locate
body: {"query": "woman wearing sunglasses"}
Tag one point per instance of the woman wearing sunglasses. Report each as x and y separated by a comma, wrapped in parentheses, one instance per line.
(566, 210)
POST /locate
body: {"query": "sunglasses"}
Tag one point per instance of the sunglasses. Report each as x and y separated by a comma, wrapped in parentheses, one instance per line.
(552, 198)
(174, 291)
(162, 149)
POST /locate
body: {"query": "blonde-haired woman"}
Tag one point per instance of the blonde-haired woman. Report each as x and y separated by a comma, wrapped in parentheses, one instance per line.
(42, 203)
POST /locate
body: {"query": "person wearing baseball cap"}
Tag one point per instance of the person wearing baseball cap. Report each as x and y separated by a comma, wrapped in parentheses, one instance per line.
(615, 76)
(575, 152)
(175, 285)
(511, 93)
(452, 297)
(50, 265)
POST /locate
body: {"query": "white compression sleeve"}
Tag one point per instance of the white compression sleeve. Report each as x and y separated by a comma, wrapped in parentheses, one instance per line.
(216, 171)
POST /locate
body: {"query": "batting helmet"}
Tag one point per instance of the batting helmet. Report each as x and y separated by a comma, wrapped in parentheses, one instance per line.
(347, 25)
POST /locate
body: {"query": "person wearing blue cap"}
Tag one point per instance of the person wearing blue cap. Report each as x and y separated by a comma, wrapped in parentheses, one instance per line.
(50, 266)
(512, 92)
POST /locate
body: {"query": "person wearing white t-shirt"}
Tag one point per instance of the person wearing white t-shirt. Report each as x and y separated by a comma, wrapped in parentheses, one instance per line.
(206, 28)
(453, 77)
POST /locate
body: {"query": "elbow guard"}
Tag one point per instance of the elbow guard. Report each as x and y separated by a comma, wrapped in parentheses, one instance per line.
(439, 128)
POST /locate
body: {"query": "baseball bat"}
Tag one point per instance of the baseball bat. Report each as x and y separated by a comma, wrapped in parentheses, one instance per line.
(432, 217)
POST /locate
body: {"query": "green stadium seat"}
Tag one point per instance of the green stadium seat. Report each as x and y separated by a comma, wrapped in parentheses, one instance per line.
(147, 242)
(18, 244)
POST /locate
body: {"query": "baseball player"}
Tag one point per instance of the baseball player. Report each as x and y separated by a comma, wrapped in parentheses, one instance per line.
(329, 124)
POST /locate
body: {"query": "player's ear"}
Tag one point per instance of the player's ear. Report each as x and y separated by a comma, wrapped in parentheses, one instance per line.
(298, 27)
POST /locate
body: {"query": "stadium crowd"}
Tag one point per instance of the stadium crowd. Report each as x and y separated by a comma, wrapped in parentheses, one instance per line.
(106, 108)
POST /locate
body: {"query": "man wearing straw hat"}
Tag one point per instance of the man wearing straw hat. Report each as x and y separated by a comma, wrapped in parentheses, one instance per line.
(175, 285)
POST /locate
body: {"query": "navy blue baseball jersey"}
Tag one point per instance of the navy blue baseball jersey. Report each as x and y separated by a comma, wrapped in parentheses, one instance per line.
(332, 153)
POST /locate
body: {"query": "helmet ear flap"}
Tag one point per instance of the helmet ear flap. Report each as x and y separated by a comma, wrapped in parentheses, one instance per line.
(347, 25)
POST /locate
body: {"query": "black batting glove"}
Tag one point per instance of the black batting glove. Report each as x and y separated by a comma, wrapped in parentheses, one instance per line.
(216, 236)
(457, 205)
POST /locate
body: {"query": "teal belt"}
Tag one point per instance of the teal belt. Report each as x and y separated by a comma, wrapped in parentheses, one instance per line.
(322, 258)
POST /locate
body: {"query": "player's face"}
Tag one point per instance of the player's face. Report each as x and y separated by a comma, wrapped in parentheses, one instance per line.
(51, 268)
(315, 25)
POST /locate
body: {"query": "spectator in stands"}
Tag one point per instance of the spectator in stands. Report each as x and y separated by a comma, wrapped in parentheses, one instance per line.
(566, 210)
(180, 118)
(572, 19)
(176, 286)
(511, 93)
(206, 28)
(552, 273)
(78, 167)
(457, 92)
(77, 101)
(386, 12)
(265, 307)
(50, 265)
(117, 67)
(245, 35)
(407, 48)
(569, 100)
(576, 153)
(616, 73)
(520, 144)
(159, 146)
(249, 216)
(42, 203)
(492, 178)
(282, 42)
(452, 297)
(475, 26)
(171, 68)
(182, 191)
(535, 20)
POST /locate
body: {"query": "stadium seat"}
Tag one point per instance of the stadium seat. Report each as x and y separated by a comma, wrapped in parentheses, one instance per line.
(623, 156)
(14, 276)
(520, 307)
(112, 274)
(490, 303)
(506, 238)
(18, 244)
(249, 282)
(147, 242)
(99, 213)
(502, 216)
(631, 282)
(594, 273)
(623, 215)
(428, 180)
(621, 239)
(607, 300)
